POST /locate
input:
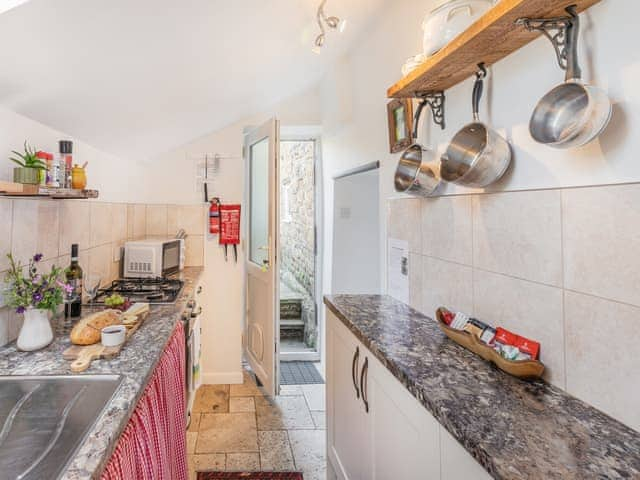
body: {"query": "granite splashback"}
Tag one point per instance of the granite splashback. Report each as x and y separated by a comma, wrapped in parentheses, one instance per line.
(516, 429)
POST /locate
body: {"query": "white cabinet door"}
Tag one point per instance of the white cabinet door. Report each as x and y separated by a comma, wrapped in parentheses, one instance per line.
(456, 462)
(347, 422)
(405, 436)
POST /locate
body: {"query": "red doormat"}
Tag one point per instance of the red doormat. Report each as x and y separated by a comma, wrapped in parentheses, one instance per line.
(249, 476)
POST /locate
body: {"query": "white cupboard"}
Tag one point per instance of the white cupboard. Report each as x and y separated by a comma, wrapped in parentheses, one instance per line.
(376, 430)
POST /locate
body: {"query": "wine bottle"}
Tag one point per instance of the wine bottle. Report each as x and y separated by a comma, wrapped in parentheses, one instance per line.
(73, 302)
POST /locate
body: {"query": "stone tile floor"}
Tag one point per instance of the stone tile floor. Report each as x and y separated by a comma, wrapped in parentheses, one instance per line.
(237, 428)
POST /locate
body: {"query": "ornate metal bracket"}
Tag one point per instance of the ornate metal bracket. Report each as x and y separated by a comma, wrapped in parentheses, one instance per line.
(435, 100)
(556, 30)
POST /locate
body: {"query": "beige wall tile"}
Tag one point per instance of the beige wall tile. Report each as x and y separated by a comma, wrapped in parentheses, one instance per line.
(99, 263)
(101, 223)
(415, 281)
(157, 220)
(403, 222)
(519, 234)
(189, 217)
(6, 215)
(526, 308)
(194, 246)
(446, 284)
(602, 355)
(35, 229)
(447, 228)
(24, 237)
(75, 225)
(601, 239)
(136, 221)
(119, 218)
(49, 228)
(4, 326)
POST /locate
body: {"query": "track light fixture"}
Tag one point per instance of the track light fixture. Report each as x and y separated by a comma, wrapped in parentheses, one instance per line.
(331, 22)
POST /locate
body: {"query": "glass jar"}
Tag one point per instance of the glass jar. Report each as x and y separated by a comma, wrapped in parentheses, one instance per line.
(78, 178)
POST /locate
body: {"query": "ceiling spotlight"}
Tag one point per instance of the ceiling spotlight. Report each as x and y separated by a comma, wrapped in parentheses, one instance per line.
(335, 22)
(332, 22)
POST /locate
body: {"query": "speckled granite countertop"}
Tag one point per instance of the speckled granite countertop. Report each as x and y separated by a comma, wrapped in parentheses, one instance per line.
(136, 363)
(515, 429)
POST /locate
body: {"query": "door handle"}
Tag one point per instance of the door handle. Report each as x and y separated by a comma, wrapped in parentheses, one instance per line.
(354, 370)
(363, 383)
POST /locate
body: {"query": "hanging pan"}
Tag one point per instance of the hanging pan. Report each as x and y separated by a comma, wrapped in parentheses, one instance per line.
(571, 114)
(477, 156)
(414, 175)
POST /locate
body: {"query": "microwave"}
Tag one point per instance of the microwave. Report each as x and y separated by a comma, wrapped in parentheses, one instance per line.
(153, 258)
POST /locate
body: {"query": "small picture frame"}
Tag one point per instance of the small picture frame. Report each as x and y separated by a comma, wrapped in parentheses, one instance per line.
(400, 119)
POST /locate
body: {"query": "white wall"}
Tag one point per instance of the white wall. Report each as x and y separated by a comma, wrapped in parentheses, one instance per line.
(354, 99)
(472, 252)
(173, 178)
(117, 179)
(356, 246)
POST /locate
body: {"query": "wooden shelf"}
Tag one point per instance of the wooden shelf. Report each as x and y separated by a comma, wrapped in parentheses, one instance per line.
(494, 36)
(47, 192)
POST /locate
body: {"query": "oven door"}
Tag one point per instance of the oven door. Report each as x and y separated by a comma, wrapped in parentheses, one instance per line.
(171, 253)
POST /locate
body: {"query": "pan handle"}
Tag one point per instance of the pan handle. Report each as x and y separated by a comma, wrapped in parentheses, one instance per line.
(573, 30)
(416, 119)
(477, 91)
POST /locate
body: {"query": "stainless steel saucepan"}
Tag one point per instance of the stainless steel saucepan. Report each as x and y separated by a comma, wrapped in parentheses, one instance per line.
(571, 114)
(477, 156)
(414, 174)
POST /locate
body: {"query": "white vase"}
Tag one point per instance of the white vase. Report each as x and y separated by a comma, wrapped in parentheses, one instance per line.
(36, 330)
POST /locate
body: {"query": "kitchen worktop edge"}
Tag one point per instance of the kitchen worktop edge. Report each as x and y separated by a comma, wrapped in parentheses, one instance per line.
(514, 428)
(136, 363)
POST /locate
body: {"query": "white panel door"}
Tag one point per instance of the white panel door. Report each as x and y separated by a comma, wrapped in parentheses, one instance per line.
(348, 435)
(404, 435)
(457, 463)
(262, 321)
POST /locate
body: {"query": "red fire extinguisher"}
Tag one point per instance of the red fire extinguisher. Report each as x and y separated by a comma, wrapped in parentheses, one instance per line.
(214, 216)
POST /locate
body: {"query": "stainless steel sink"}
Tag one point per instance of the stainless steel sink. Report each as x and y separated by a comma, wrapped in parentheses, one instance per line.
(44, 419)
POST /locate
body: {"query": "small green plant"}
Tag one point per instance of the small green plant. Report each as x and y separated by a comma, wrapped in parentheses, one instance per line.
(28, 159)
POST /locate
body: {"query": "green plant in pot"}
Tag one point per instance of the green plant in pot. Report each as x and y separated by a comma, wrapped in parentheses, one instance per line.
(30, 166)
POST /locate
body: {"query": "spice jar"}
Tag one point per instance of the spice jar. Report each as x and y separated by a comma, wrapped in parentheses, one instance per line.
(78, 178)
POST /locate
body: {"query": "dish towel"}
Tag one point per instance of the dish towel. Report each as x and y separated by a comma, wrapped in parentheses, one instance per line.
(153, 444)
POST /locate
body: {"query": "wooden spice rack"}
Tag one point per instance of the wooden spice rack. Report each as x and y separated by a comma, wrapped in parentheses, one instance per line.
(11, 189)
(491, 38)
(529, 369)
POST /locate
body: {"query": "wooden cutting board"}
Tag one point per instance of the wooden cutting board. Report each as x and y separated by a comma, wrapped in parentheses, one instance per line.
(83, 355)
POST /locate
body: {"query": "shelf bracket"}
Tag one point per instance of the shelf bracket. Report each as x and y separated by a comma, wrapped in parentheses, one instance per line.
(556, 30)
(435, 100)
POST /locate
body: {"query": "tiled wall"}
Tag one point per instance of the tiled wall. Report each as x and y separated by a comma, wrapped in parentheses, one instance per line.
(50, 227)
(558, 266)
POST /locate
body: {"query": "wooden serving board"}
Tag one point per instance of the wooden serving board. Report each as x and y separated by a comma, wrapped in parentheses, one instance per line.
(82, 355)
(529, 369)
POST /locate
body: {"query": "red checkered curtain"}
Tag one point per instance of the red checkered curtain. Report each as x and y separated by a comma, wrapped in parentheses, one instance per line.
(153, 444)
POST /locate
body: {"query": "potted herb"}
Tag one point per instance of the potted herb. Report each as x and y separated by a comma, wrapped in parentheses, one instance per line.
(34, 295)
(30, 166)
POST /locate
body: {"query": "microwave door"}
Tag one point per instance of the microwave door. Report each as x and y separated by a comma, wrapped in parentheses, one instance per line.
(171, 257)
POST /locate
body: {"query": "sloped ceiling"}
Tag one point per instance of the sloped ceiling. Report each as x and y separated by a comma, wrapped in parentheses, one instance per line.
(138, 77)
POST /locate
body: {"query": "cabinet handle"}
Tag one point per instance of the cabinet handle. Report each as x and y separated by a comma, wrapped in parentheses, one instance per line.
(363, 383)
(354, 370)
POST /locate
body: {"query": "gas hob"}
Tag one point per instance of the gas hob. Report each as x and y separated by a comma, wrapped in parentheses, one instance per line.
(157, 291)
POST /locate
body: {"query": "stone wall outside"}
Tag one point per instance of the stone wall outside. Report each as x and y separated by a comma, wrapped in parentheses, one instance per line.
(297, 220)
